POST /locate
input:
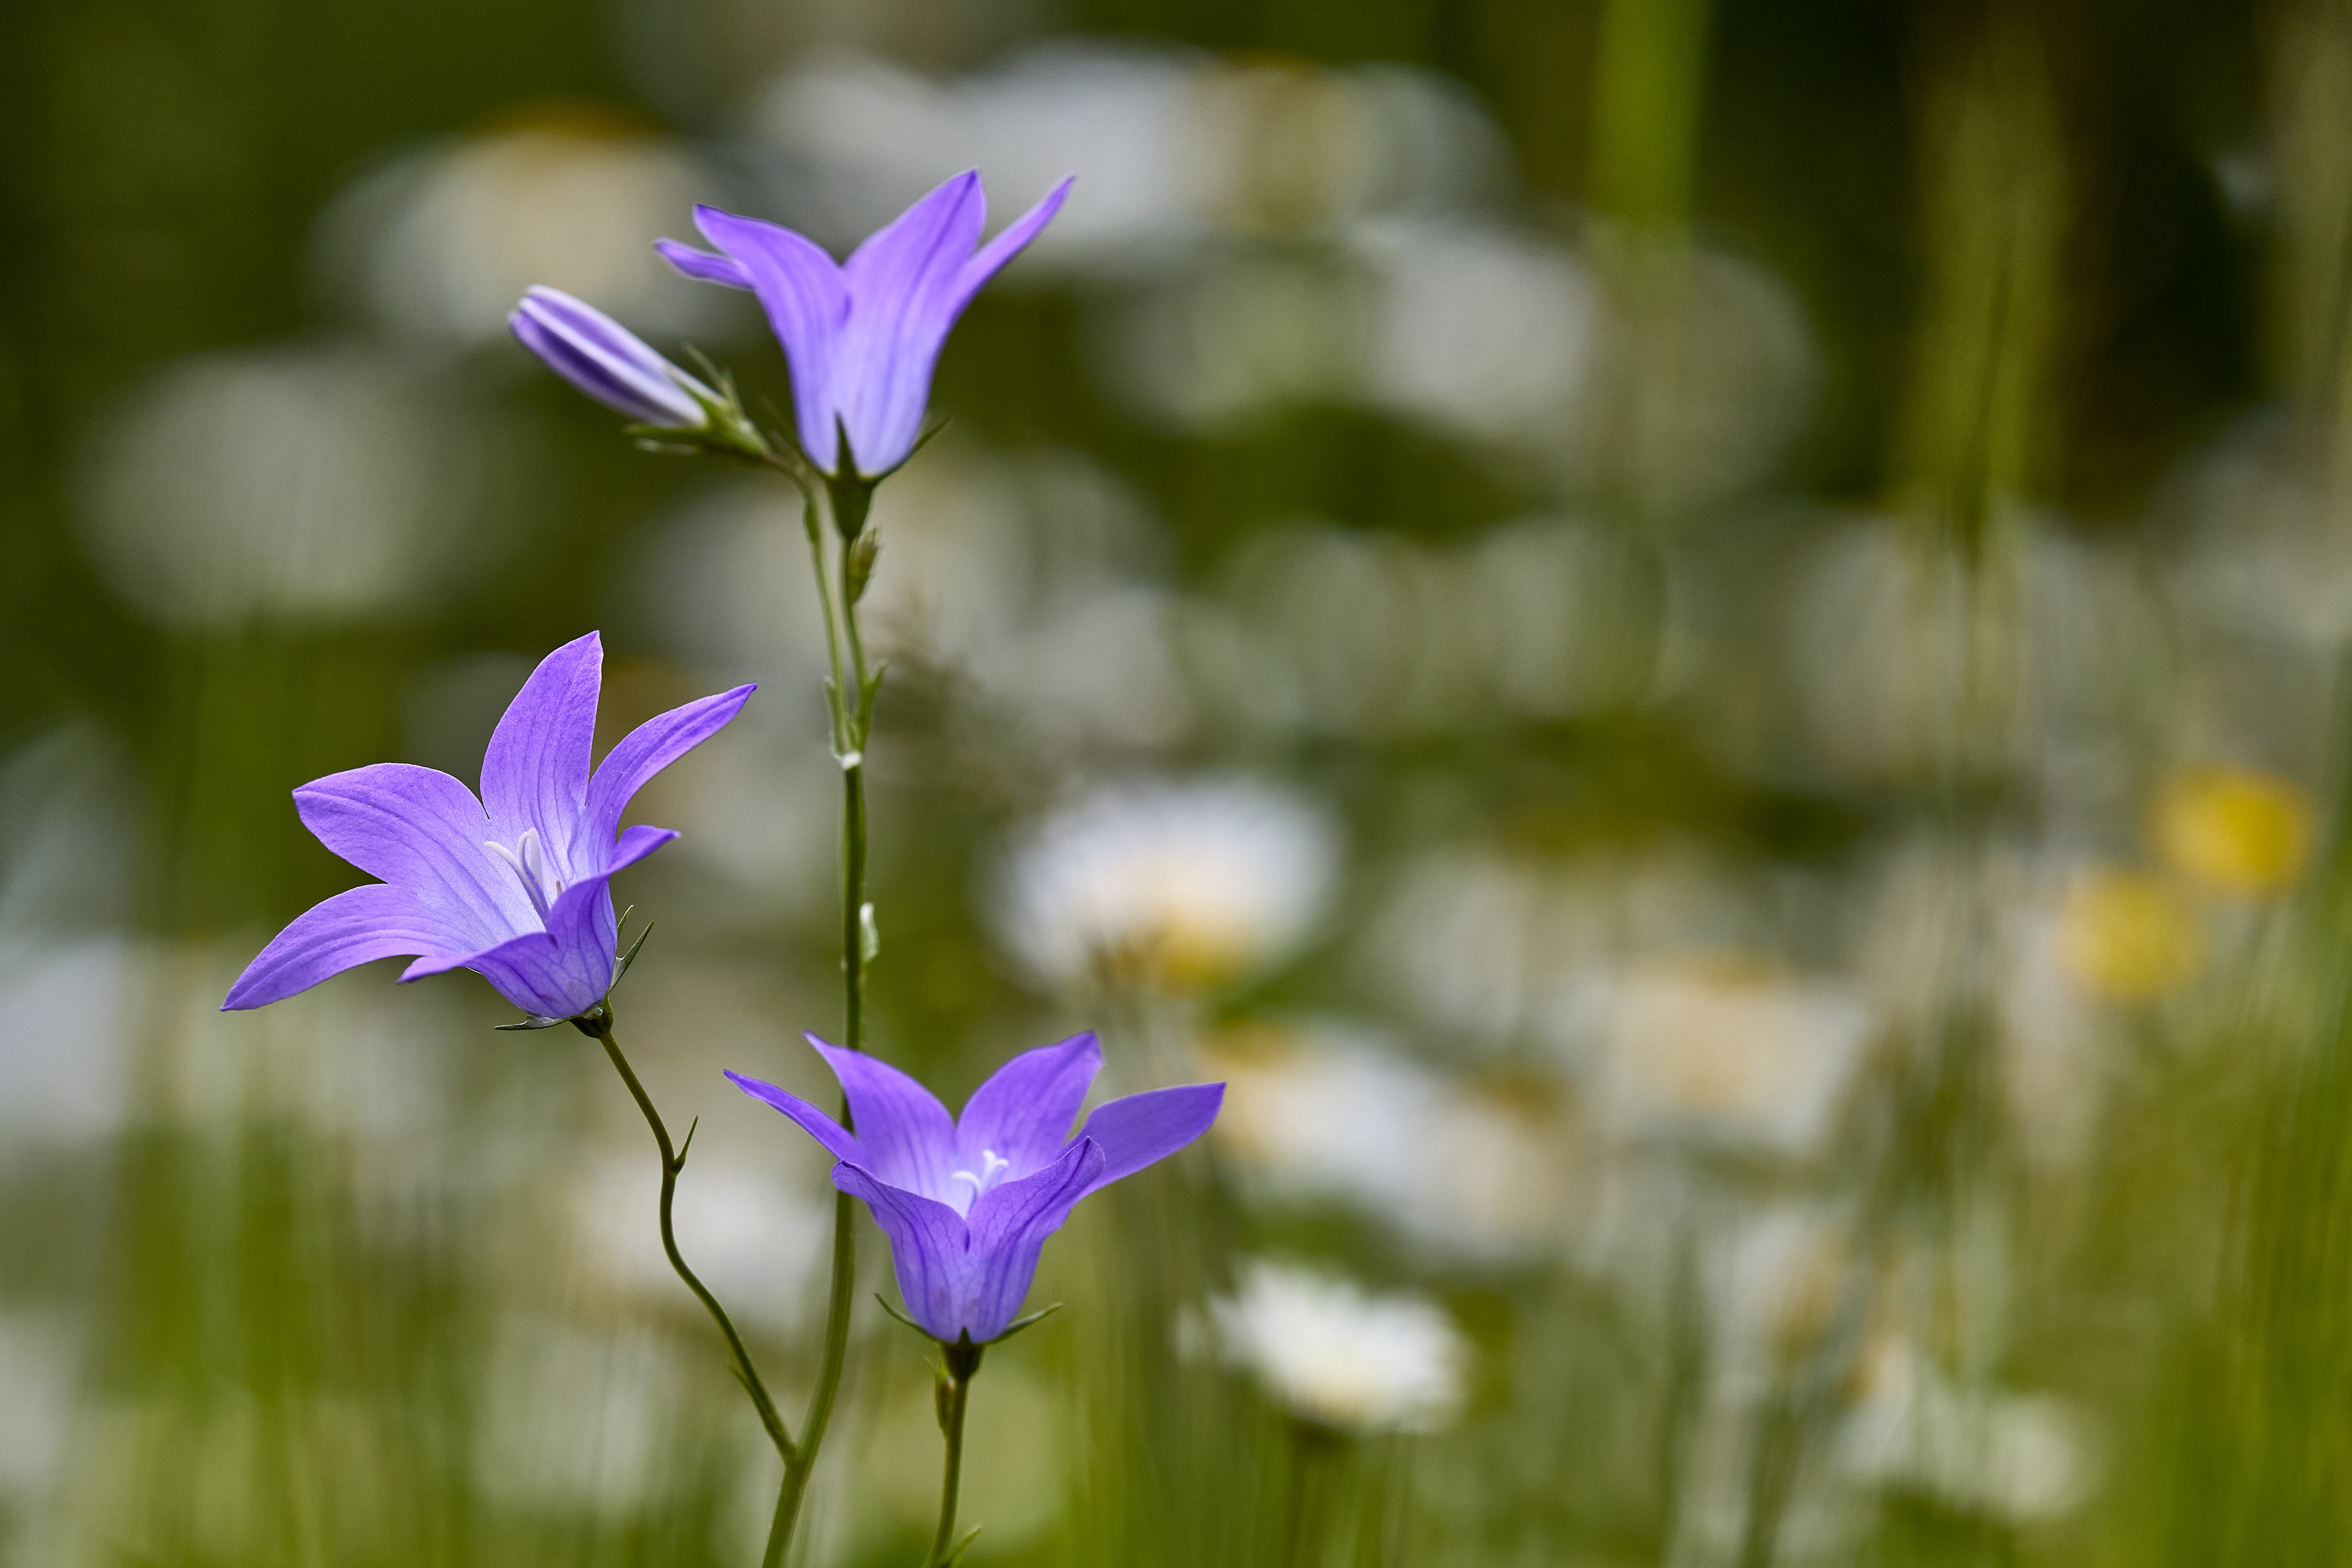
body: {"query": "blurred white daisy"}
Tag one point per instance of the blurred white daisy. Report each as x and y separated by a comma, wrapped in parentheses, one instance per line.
(440, 244)
(1475, 329)
(1168, 145)
(1332, 1353)
(292, 485)
(1465, 1168)
(1180, 885)
(1728, 1055)
(2019, 1456)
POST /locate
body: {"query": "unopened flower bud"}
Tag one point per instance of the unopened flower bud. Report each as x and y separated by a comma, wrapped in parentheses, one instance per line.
(609, 362)
(860, 570)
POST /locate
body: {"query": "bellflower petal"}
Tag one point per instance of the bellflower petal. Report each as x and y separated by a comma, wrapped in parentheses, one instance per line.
(863, 338)
(839, 1141)
(582, 917)
(806, 301)
(1009, 1226)
(565, 968)
(1145, 1129)
(513, 886)
(883, 378)
(993, 258)
(702, 266)
(356, 926)
(968, 1204)
(420, 829)
(608, 361)
(646, 751)
(533, 971)
(535, 775)
(1023, 1113)
(902, 1126)
(930, 1249)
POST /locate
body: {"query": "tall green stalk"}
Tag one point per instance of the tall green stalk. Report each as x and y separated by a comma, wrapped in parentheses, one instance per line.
(850, 707)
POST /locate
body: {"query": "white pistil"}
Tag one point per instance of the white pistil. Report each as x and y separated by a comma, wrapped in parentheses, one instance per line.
(992, 1167)
(528, 861)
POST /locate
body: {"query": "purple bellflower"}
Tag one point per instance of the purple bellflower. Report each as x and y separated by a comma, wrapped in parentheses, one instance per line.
(969, 1201)
(608, 361)
(862, 337)
(511, 886)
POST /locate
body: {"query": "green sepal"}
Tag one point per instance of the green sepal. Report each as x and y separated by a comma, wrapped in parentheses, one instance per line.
(902, 1316)
(630, 957)
(1031, 1320)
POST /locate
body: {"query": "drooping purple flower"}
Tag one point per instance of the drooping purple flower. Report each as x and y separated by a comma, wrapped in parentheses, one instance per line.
(608, 361)
(862, 337)
(511, 886)
(969, 1201)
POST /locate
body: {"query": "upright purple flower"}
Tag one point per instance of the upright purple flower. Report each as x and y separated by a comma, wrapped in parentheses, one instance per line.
(608, 361)
(969, 1201)
(862, 337)
(511, 886)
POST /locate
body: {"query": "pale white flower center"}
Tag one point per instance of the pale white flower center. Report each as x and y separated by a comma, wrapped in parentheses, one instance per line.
(992, 1167)
(528, 860)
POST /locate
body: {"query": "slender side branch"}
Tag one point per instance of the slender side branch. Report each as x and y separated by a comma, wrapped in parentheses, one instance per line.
(672, 1160)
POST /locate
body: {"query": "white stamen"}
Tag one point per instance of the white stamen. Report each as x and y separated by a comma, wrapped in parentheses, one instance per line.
(528, 861)
(992, 1167)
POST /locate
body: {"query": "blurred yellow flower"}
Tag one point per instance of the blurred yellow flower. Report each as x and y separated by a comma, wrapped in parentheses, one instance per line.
(2240, 832)
(2128, 937)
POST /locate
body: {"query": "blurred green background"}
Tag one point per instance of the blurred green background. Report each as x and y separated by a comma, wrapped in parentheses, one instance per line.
(1702, 647)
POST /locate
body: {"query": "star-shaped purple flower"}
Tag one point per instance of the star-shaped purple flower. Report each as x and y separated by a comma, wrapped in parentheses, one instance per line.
(511, 886)
(863, 337)
(969, 1201)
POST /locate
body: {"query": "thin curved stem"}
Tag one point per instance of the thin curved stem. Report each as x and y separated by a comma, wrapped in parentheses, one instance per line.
(954, 1393)
(674, 1161)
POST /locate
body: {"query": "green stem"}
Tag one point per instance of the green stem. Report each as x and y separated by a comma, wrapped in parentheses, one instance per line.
(837, 709)
(957, 1364)
(851, 718)
(863, 705)
(674, 1161)
(856, 912)
(820, 1412)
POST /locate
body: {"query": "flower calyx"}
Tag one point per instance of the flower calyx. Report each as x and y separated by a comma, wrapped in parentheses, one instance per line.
(597, 1021)
(952, 1352)
(726, 429)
